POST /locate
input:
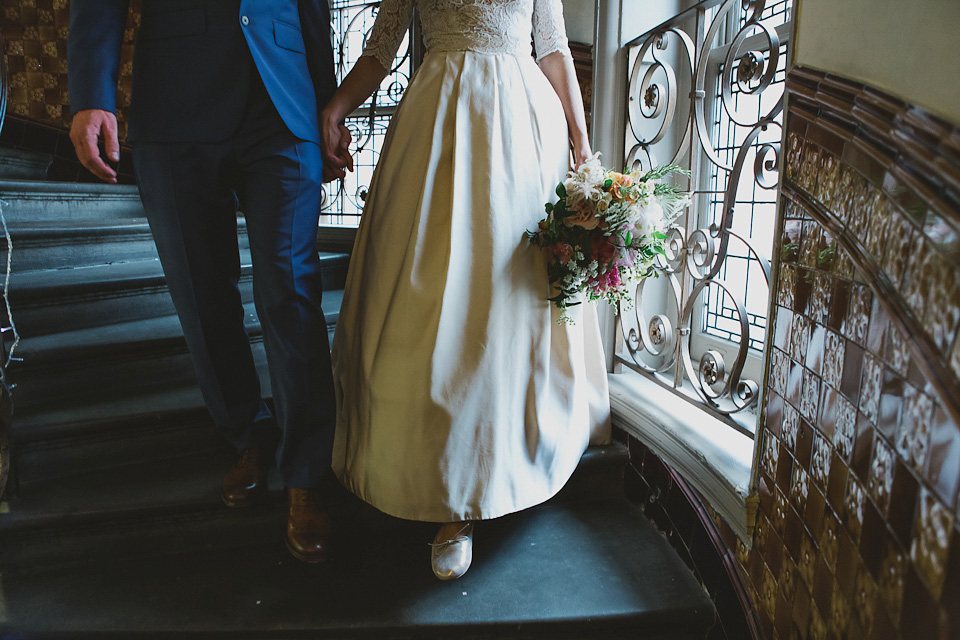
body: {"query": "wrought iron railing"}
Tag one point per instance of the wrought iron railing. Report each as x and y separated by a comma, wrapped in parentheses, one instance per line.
(6, 448)
(705, 91)
(352, 20)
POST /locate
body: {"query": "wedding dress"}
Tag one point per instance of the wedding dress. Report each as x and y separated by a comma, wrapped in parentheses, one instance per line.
(459, 395)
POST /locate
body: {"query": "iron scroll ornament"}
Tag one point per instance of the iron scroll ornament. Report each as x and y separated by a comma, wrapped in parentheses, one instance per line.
(660, 346)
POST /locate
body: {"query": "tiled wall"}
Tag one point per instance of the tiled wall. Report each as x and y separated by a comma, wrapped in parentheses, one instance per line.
(858, 532)
(35, 39)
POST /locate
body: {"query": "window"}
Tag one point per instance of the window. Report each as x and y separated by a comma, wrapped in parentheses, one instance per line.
(352, 21)
(700, 328)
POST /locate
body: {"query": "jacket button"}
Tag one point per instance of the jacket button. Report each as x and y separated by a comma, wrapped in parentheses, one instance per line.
(244, 20)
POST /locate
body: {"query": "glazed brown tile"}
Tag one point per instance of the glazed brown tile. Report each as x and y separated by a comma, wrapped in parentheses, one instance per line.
(786, 285)
(852, 516)
(920, 615)
(891, 580)
(829, 409)
(897, 351)
(873, 541)
(795, 385)
(913, 438)
(839, 304)
(852, 371)
(880, 482)
(783, 616)
(802, 289)
(931, 541)
(820, 461)
(800, 609)
(803, 445)
(810, 395)
(814, 356)
(782, 326)
(836, 491)
(950, 595)
(799, 488)
(773, 413)
(903, 503)
(829, 543)
(891, 402)
(943, 235)
(771, 454)
(793, 533)
(815, 513)
(943, 461)
(870, 385)
(834, 350)
(860, 461)
(784, 470)
(864, 597)
(900, 236)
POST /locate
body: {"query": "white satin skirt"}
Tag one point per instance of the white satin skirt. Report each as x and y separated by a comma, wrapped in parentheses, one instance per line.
(459, 395)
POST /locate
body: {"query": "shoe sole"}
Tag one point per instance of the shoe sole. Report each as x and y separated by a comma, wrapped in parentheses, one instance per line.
(303, 557)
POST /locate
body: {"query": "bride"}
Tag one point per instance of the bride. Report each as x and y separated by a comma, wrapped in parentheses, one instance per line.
(460, 397)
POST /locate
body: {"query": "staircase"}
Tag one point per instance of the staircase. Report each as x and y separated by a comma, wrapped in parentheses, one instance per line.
(117, 526)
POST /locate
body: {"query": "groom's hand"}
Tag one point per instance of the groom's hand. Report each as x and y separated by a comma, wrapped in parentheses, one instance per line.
(86, 130)
(336, 152)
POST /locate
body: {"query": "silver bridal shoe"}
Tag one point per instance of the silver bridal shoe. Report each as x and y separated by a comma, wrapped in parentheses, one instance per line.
(450, 559)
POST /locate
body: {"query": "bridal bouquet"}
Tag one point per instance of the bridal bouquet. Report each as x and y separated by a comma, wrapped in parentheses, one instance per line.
(606, 231)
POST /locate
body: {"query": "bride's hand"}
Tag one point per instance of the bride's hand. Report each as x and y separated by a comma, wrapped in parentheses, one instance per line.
(336, 150)
(579, 147)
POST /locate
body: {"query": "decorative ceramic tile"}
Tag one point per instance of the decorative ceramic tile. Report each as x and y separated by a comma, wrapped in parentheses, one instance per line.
(809, 168)
(779, 371)
(870, 388)
(799, 337)
(771, 449)
(807, 562)
(840, 614)
(810, 244)
(943, 460)
(830, 540)
(897, 351)
(819, 306)
(827, 180)
(834, 349)
(843, 266)
(818, 628)
(853, 507)
(843, 202)
(890, 583)
(913, 440)
(820, 461)
(809, 401)
(799, 488)
(858, 314)
(931, 539)
(858, 207)
(794, 152)
(881, 475)
(780, 507)
(768, 592)
(943, 306)
(917, 277)
(876, 232)
(814, 356)
(864, 594)
(900, 234)
(846, 423)
(786, 286)
(790, 427)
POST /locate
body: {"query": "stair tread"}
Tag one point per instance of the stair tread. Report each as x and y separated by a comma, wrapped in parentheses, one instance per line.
(73, 188)
(559, 568)
(133, 336)
(43, 283)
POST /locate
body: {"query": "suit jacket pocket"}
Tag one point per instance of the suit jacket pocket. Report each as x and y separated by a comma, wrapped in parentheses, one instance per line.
(174, 24)
(288, 36)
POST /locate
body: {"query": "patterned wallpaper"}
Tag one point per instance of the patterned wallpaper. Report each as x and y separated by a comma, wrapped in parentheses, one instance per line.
(35, 39)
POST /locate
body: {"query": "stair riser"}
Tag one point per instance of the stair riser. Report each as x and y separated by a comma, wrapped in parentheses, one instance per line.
(24, 206)
(50, 315)
(70, 250)
(104, 380)
(213, 528)
(47, 460)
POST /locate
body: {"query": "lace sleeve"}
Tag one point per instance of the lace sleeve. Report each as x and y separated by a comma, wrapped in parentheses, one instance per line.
(549, 32)
(393, 19)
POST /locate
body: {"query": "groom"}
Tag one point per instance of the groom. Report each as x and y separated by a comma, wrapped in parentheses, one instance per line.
(226, 95)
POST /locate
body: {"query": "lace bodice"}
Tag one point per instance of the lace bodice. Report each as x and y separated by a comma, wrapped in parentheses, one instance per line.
(485, 26)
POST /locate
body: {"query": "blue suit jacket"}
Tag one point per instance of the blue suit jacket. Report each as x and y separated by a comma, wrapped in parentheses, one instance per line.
(193, 63)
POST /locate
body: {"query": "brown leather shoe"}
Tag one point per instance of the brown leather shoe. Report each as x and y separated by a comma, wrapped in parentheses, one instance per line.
(308, 526)
(246, 481)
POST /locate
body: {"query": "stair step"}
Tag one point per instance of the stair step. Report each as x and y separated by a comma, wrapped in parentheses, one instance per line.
(34, 200)
(54, 244)
(574, 569)
(18, 164)
(46, 301)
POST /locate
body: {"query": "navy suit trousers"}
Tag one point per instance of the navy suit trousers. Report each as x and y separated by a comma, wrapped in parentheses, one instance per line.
(191, 192)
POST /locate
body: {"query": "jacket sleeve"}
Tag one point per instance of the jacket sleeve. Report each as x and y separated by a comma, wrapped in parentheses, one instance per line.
(93, 53)
(315, 24)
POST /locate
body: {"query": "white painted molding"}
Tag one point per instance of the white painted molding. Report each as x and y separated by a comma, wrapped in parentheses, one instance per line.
(714, 458)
